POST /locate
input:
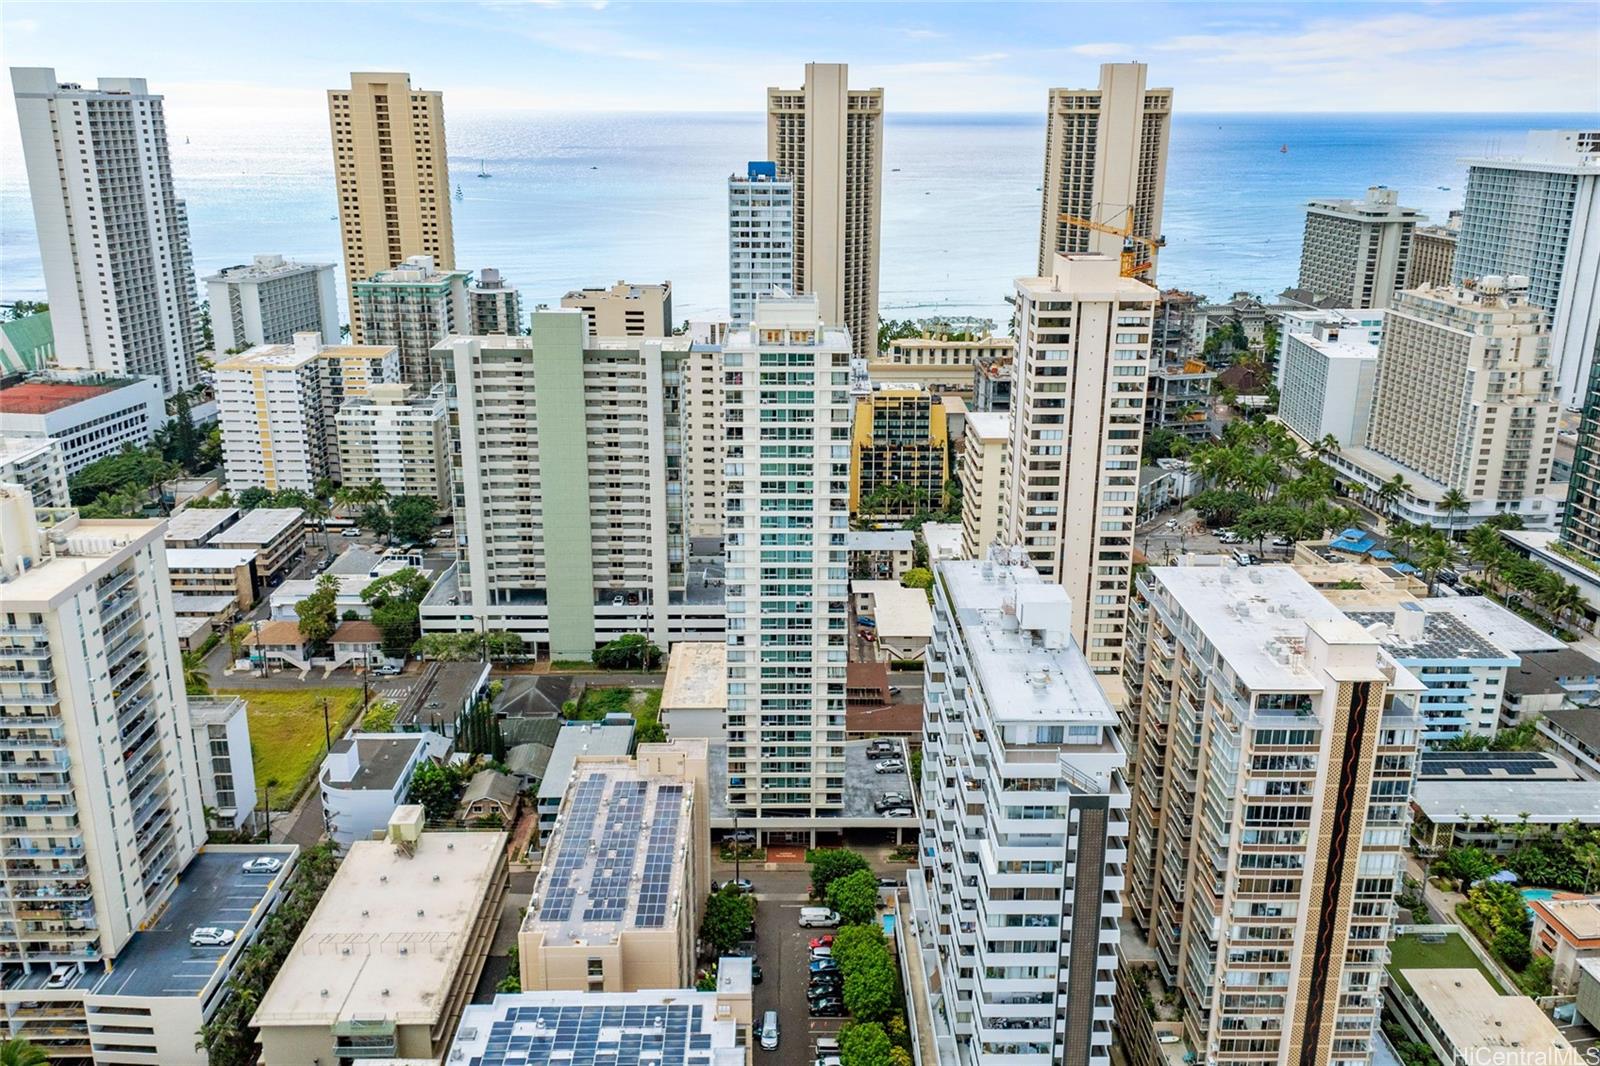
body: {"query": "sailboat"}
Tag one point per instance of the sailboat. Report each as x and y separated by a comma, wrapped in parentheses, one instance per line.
(1283, 147)
(483, 171)
(458, 191)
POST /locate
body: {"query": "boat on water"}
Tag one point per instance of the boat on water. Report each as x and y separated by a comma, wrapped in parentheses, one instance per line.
(1444, 188)
(483, 170)
(894, 170)
(1283, 148)
(458, 191)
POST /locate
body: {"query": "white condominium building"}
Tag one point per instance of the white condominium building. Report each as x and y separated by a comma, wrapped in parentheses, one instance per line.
(569, 477)
(1077, 425)
(1273, 742)
(625, 310)
(269, 300)
(1105, 155)
(113, 238)
(394, 180)
(760, 238)
(89, 422)
(1538, 215)
(413, 307)
(828, 140)
(1357, 252)
(786, 417)
(1325, 378)
(398, 439)
(1024, 823)
(98, 784)
(985, 470)
(1465, 393)
(496, 305)
(276, 406)
(35, 464)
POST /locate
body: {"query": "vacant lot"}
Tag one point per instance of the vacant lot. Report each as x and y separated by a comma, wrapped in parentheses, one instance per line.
(286, 738)
(1408, 952)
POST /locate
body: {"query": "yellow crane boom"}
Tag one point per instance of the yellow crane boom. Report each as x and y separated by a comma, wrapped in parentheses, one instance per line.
(1130, 265)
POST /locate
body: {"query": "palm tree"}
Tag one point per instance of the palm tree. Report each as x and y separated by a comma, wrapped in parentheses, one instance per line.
(1434, 555)
(1454, 503)
(1328, 445)
(196, 679)
(20, 1052)
(317, 509)
(1390, 491)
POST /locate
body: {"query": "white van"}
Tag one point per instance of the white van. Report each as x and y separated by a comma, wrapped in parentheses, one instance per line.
(818, 918)
(769, 1031)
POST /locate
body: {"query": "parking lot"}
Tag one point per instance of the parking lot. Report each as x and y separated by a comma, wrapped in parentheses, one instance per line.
(782, 949)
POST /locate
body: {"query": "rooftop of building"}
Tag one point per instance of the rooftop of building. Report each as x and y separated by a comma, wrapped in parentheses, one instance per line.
(1467, 802)
(616, 858)
(185, 604)
(1246, 613)
(1475, 1018)
(1582, 724)
(389, 934)
(586, 739)
(198, 523)
(879, 540)
(942, 538)
(45, 397)
(1495, 622)
(1361, 586)
(1088, 276)
(380, 759)
(1337, 349)
(1440, 637)
(214, 710)
(31, 337)
(1380, 202)
(265, 268)
(208, 558)
(862, 787)
(897, 611)
(1017, 631)
(85, 547)
(895, 719)
(697, 676)
(626, 290)
(260, 527)
(1493, 765)
(442, 692)
(1544, 673)
(278, 632)
(397, 399)
(989, 425)
(656, 1028)
(414, 270)
(357, 631)
(1575, 918)
(17, 449)
(969, 343)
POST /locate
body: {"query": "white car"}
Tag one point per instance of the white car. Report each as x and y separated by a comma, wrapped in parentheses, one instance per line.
(61, 976)
(818, 918)
(211, 936)
(889, 766)
(899, 812)
(263, 864)
(351, 533)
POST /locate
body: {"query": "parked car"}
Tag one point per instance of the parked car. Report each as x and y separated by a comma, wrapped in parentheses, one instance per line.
(892, 799)
(894, 690)
(1282, 542)
(863, 620)
(352, 533)
(821, 953)
(61, 975)
(888, 882)
(1228, 536)
(827, 1008)
(830, 986)
(740, 836)
(828, 1060)
(755, 973)
(818, 918)
(878, 748)
(769, 1031)
(1244, 558)
(889, 766)
(211, 936)
(821, 966)
(742, 951)
(899, 812)
(263, 864)
(741, 885)
(823, 941)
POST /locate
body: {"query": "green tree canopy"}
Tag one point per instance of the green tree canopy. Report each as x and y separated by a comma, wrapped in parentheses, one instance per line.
(855, 897)
(829, 864)
(728, 917)
(437, 788)
(864, 1044)
(628, 652)
(872, 987)
(413, 518)
(318, 612)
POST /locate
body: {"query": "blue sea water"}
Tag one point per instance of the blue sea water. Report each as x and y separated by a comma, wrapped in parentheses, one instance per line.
(585, 199)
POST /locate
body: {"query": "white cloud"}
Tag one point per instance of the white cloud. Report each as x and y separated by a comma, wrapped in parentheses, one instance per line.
(1103, 49)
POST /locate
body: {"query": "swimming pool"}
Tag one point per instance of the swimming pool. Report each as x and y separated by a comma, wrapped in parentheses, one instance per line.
(1538, 893)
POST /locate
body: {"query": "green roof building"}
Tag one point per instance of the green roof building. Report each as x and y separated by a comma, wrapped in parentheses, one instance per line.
(26, 344)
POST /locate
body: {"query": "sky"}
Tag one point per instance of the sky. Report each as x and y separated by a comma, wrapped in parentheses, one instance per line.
(229, 60)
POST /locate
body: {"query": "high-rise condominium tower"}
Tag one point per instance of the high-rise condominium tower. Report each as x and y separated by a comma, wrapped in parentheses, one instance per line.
(268, 301)
(413, 307)
(1356, 253)
(393, 177)
(99, 782)
(760, 238)
(1025, 823)
(496, 305)
(1273, 743)
(1538, 215)
(113, 239)
(786, 413)
(1464, 395)
(828, 140)
(1105, 154)
(1580, 525)
(1083, 351)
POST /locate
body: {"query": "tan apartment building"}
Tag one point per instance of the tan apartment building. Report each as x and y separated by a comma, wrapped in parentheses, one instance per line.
(985, 466)
(1433, 255)
(618, 900)
(1105, 154)
(1077, 427)
(399, 439)
(213, 572)
(276, 534)
(625, 310)
(1355, 253)
(828, 139)
(937, 363)
(899, 452)
(393, 178)
(701, 402)
(388, 960)
(1273, 742)
(1465, 393)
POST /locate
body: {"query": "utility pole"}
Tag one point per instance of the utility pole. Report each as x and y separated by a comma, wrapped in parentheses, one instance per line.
(327, 728)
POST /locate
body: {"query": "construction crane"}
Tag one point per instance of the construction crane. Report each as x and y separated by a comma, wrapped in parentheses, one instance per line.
(1130, 266)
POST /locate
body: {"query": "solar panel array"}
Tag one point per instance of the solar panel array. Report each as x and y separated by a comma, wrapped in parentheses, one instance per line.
(658, 859)
(659, 1034)
(611, 886)
(1484, 764)
(562, 893)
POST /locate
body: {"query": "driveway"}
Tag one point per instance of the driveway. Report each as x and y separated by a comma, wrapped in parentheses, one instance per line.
(783, 950)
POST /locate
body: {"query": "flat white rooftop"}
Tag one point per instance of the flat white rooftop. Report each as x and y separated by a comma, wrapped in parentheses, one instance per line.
(897, 610)
(198, 523)
(261, 526)
(90, 544)
(989, 425)
(388, 935)
(1021, 679)
(1495, 622)
(1246, 612)
(1340, 349)
(1476, 1020)
(697, 676)
(1461, 802)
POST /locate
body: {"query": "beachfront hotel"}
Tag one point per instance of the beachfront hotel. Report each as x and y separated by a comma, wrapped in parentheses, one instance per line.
(1356, 253)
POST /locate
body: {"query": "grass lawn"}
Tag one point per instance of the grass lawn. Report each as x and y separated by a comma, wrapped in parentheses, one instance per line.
(286, 739)
(1409, 952)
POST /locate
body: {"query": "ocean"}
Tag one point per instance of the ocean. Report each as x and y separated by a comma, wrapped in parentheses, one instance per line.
(586, 199)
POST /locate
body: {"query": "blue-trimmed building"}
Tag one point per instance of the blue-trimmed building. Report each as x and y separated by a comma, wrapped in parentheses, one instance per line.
(1464, 671)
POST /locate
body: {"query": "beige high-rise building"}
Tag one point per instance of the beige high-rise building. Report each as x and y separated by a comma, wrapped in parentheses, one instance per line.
(1273, 742)
(984, 468)
(1465, 393)
(625, 310)
(701, 393)
(1356, 253)
(1083, 349)
(1433, 255)
(1105, 153)
(399, 438)
(393, 178)
(828, 139)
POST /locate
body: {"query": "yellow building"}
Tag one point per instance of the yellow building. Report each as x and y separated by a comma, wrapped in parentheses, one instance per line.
(899, 452)
(394, 180)
(619, 896)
